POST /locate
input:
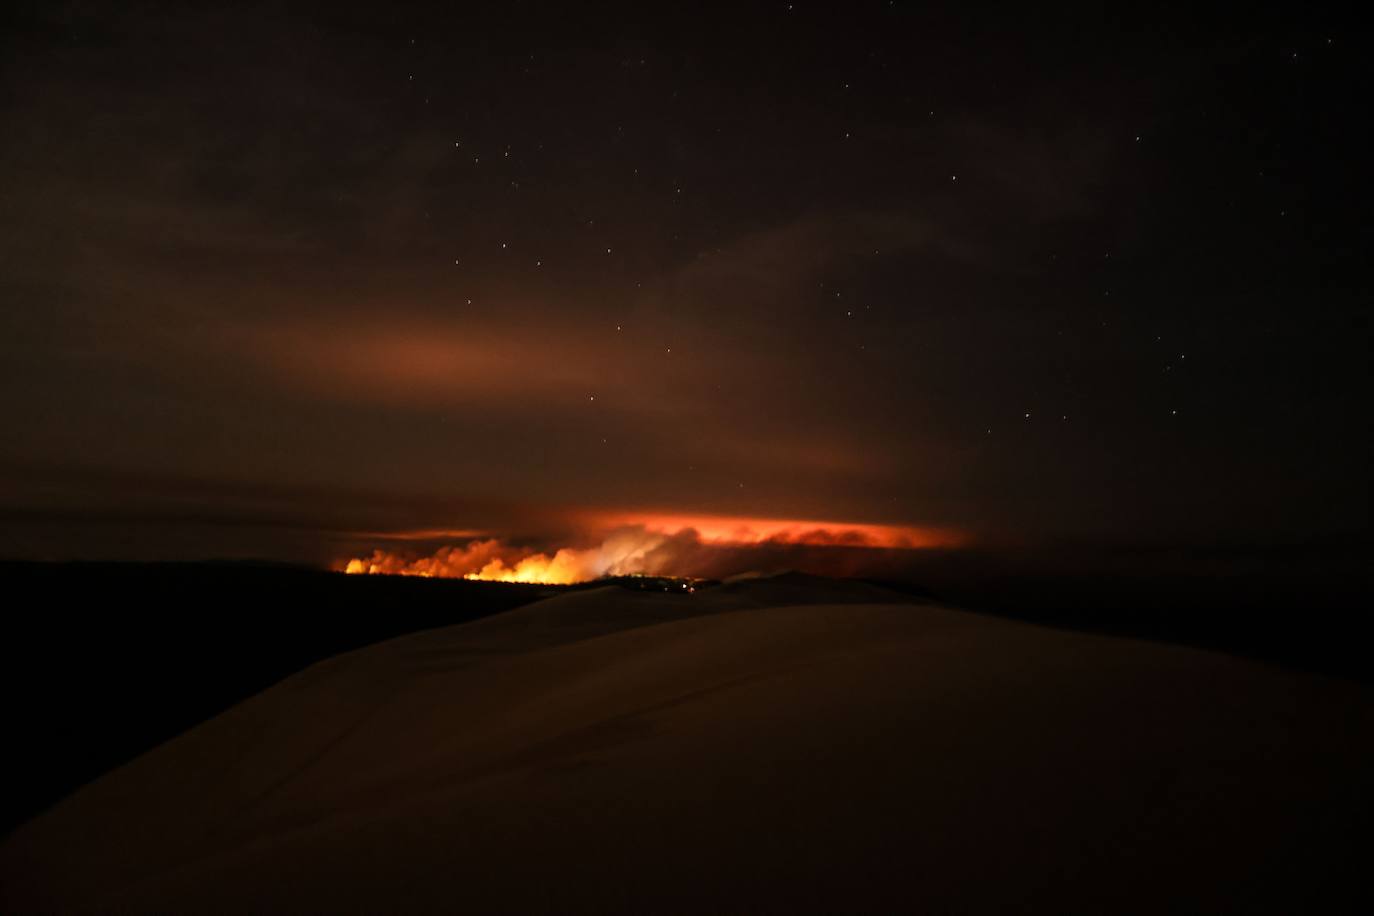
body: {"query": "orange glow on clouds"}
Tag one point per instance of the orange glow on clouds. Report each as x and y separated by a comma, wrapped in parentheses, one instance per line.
(735, 531)
(639, 543)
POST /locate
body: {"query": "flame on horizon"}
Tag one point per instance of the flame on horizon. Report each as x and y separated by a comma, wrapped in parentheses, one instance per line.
(638, 544)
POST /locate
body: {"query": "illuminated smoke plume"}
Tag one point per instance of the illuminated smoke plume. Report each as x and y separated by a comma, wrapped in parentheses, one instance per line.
(624, 552)
(664, 545)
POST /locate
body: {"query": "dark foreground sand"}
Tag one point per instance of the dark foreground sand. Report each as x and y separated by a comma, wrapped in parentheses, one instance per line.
(632, 752)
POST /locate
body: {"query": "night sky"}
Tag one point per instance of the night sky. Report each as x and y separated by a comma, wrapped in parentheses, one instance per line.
(274, 282)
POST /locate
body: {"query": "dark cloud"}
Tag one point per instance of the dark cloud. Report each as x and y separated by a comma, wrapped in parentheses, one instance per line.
(814, 266)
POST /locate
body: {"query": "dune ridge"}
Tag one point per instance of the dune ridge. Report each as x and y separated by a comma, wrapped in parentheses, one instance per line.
(738, 750)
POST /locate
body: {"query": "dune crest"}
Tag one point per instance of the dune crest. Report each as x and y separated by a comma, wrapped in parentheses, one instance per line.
(635, 752)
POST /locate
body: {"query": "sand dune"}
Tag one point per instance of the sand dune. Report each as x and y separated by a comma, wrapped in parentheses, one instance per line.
(738, 750)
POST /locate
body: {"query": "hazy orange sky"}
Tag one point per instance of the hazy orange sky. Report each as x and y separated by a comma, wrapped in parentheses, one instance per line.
(280, 284)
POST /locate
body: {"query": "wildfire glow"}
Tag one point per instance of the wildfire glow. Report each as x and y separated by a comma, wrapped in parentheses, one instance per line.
(660, 544)
(734, 531)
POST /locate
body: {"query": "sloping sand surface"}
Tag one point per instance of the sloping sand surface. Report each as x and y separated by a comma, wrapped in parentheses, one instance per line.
(632, 752)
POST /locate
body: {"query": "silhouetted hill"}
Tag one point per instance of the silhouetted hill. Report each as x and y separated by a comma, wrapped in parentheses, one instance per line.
(104, 661)
(802, 588)
(632, 750)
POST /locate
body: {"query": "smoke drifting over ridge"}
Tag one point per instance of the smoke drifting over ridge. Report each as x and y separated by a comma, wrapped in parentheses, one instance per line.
(668, 545)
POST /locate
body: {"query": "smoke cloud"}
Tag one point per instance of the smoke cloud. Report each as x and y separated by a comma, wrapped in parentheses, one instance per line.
(714, 548)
